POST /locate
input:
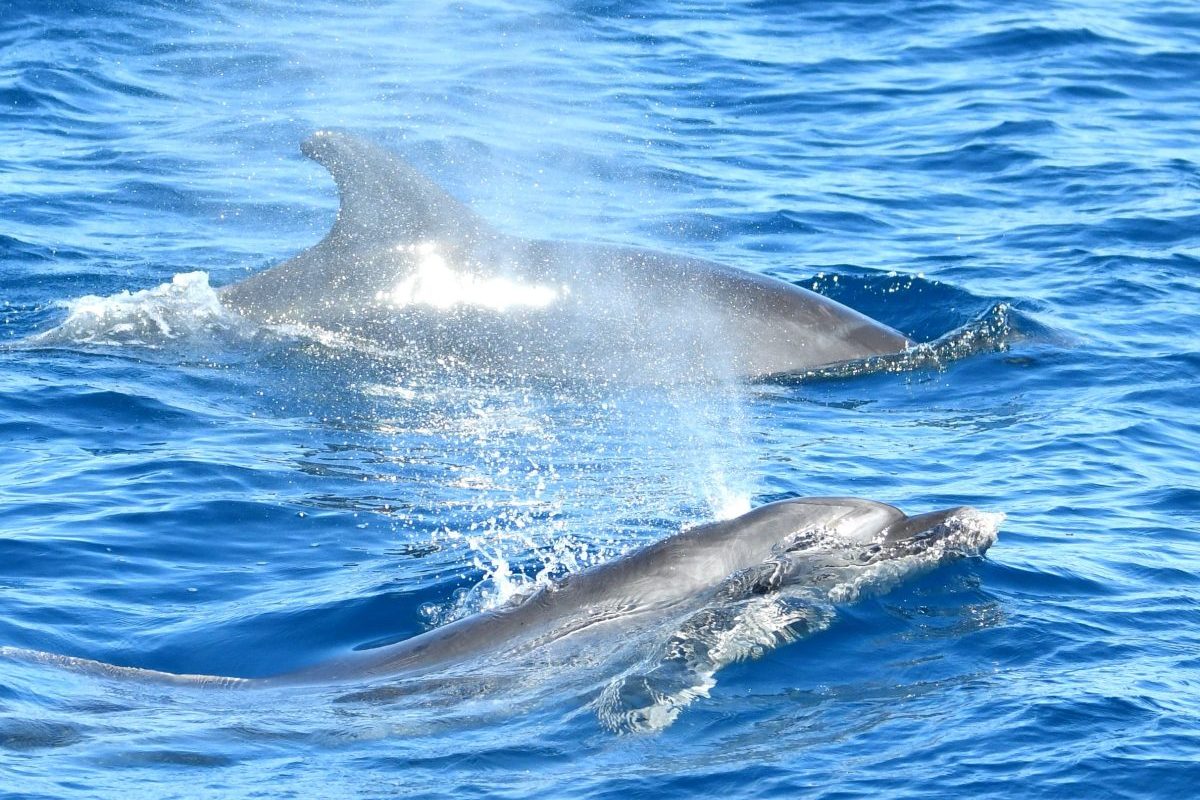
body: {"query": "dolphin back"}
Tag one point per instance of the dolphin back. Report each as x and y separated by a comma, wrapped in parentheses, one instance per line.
(406, 266)
(87, 666)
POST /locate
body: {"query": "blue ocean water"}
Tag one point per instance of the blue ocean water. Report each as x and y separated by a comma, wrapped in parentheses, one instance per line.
(1019, 180)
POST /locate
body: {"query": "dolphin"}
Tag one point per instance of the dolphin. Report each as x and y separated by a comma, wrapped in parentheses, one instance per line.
(408, 267)
(822, 543)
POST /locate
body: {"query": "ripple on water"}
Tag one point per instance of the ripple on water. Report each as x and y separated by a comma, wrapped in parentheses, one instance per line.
(1015, 189)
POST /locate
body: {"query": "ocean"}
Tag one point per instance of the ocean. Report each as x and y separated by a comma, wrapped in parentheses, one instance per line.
(1015, 186)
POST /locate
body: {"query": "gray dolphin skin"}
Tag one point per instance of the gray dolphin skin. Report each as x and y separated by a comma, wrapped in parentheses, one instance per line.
(409, 267)
(815, 541)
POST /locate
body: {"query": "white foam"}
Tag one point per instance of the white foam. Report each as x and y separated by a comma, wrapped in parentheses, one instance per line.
(650, 700)
(186, 306)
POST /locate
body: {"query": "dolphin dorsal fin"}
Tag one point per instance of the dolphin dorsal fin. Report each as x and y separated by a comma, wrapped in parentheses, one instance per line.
(383, 199)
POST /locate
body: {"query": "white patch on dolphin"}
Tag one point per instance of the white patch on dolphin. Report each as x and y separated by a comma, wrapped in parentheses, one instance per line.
(433, 283)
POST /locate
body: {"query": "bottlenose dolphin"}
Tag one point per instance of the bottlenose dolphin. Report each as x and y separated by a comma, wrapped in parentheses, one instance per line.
(819, 542)
(409, 267)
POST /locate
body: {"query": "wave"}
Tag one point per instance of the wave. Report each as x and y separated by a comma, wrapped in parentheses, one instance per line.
(992, 332)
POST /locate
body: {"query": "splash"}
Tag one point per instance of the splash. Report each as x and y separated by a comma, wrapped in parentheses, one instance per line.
(184, 308)
(649, 701)
(725, 501)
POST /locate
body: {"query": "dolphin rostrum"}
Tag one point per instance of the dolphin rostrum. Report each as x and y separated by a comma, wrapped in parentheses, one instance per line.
(828, 546)
(409, 267)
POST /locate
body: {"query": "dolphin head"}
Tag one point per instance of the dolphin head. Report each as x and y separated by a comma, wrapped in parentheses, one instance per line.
(846, 548)
(847, 530)
(858, 531)
(924, 526)
(949, 532)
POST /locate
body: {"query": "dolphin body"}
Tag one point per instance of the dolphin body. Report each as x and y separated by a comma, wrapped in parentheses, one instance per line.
(815, 541)
(408, 267)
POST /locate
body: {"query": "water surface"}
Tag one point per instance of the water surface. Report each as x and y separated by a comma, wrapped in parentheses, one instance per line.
(185, 495)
